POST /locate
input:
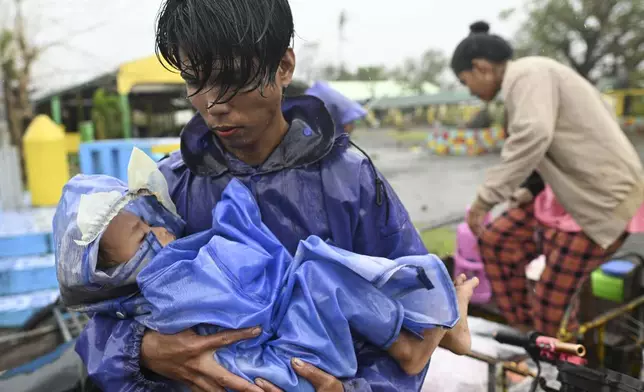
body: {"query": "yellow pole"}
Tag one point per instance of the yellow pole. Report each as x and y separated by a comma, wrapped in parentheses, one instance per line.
(601, 350)
(45, 148)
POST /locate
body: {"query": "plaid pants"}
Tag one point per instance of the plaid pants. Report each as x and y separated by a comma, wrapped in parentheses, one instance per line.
(508, 245)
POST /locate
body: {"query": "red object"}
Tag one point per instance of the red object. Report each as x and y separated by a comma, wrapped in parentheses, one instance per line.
(550, 352)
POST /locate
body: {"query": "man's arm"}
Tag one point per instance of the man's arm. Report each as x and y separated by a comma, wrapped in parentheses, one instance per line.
(383, 230)
(115, 350)
(110, 349)
(532, 105)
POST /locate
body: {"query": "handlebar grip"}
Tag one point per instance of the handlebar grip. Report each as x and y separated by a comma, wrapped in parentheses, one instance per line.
(570, 348)
(512, 339)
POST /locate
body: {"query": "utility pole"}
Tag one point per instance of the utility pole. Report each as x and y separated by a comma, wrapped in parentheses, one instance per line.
(4, 129)
(342, 22)
(307, 60)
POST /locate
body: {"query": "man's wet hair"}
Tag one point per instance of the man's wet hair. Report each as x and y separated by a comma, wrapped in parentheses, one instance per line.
(233, 45)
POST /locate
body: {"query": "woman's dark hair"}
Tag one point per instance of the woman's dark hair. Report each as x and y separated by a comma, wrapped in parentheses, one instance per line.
(232, 44)
(480, 44)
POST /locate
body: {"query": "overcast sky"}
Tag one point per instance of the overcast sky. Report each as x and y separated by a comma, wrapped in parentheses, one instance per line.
(377, 32)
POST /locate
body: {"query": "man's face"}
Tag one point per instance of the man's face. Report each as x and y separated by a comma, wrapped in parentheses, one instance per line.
(241, 122)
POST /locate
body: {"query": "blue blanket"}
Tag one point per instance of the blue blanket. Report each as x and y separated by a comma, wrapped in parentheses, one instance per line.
(239, 275)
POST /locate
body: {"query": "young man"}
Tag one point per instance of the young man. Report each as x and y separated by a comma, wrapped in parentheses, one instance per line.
(236, 59)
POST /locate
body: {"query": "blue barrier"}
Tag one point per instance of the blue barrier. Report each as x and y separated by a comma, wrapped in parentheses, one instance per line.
(27, 267)
(111, 157)
(26, 245)
(27, 274)
(15, 310)
(26, 232)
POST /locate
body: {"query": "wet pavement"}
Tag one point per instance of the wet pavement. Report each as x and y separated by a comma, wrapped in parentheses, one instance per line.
(437, 189)
(433, 188)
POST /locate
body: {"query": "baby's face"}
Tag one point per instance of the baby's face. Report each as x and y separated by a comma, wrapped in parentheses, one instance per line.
(125, 234)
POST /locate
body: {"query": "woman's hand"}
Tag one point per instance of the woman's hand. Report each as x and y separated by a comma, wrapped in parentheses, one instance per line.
(521, 196)
(476, 219)
(321, 381)
(189, 358)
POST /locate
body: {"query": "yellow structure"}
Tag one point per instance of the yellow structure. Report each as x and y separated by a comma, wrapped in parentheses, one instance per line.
(165, 148)
(45, 149)
(618, 97)
(431, 114)
(72, 140)
(148, 70)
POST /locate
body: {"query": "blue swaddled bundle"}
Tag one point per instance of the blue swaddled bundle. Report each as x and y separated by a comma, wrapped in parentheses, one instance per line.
(87, 205)
(239, 275)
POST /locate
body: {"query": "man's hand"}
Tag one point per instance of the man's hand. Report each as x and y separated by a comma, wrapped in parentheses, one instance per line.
(189, 358)
(321, 381)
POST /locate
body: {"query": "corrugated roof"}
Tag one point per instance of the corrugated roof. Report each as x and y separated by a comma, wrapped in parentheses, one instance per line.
(441, 98)
(367, 90)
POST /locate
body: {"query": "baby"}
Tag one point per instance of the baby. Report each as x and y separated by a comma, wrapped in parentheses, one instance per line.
(238, 275)
(126, 233)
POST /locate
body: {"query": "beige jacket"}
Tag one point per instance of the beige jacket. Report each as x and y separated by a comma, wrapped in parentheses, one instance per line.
(559, 125)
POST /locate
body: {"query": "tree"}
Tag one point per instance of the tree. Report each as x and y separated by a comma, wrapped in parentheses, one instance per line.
(106, 115)
(19, 53)
(374, 72)
(330, 72)
(416, 72)
(598, 38)
(344, 74)
(17, 57)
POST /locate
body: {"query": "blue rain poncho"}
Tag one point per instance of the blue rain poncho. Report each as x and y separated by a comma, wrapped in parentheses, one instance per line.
(312, 184)
(87, 205)
(239, 275)
(342, 109)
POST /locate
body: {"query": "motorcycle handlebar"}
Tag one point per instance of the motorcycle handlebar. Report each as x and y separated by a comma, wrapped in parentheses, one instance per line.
(569, 348)
(525, 341)
(512, 339)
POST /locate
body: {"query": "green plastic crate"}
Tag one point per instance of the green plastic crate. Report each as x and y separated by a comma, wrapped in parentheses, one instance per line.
(607, 287)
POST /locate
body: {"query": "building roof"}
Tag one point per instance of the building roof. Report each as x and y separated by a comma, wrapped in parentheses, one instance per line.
(377, 89)
(146, 72)
(439, 98)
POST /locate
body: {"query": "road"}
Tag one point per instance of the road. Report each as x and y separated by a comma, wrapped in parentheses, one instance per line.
(434, 188)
